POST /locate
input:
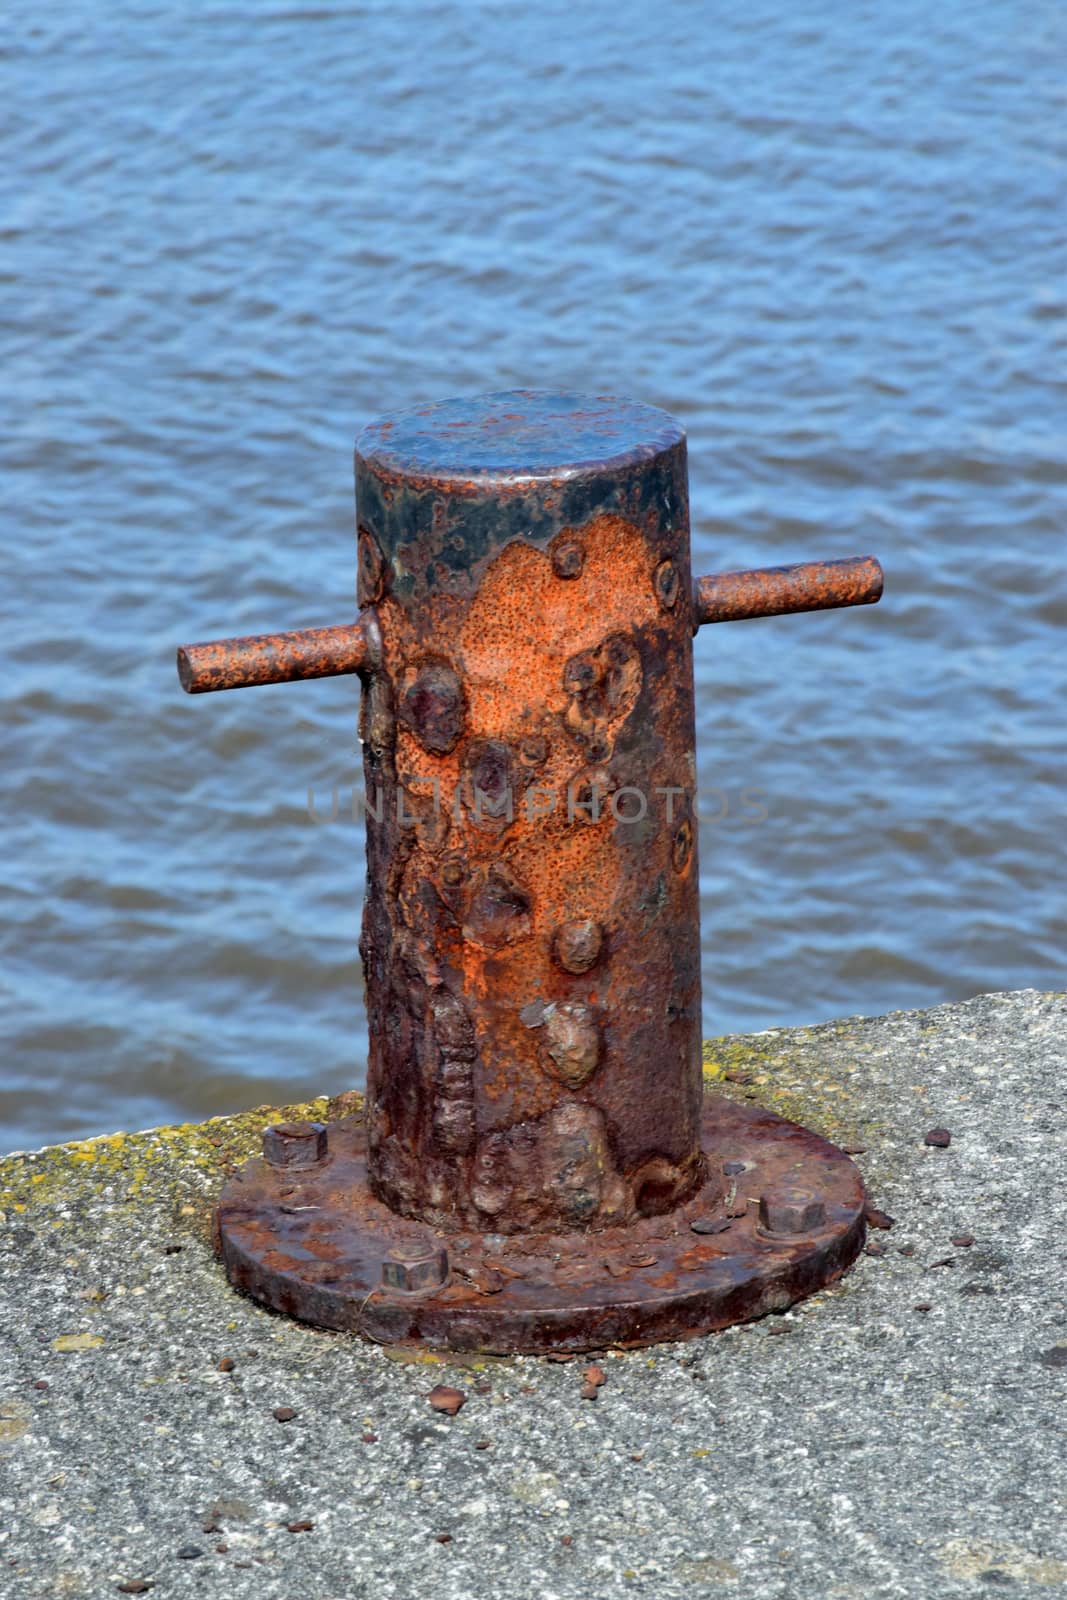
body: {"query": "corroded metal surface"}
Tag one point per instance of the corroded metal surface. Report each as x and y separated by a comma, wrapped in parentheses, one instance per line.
(530, 933)
(318, 1245)
(257, 658)
(774, 591)
(530, 943)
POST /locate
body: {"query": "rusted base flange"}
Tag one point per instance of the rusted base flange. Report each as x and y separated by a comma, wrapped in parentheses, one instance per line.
(312, 1244)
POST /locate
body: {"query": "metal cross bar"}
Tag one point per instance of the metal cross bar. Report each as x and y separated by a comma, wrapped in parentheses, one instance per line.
(329, 652)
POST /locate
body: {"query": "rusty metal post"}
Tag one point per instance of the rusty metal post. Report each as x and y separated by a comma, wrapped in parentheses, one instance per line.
(537, 1167)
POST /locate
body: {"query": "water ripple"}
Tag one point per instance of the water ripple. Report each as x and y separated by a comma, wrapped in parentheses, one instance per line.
(230, 238)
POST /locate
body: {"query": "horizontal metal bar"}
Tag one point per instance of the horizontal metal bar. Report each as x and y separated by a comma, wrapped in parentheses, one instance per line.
(244, 662)
(774, 591)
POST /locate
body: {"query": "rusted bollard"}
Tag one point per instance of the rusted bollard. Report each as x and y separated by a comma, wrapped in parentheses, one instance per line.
(537, 1167)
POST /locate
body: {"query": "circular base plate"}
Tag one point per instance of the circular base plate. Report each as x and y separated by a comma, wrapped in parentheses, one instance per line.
(311, 1244)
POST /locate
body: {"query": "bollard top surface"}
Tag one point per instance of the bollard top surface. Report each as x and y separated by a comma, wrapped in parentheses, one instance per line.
(518, 434)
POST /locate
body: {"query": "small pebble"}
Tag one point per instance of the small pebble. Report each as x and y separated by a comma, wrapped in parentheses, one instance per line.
(554, 1355)
(134, 1586)
(443, 1538)
(172, 1249)
(370, 1438)
(878, 1219)
(221, 1549)
(735, 1076)
(483, 1444)
(875, 1248)
(589, 1391)
(283, 1413)
(922, 1306)
(854, 1149)
(637, 1458)
(962, 1241)
(483, 1386)
(567, 1539)
(938, 1138)
(595, 1375)
(907, 1249)
(189, 1552)
(42, 1383)
(299, 1527)
(446, 1400)
(227, 1364)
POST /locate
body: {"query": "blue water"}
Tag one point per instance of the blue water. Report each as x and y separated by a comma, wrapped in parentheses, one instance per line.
(829, 239)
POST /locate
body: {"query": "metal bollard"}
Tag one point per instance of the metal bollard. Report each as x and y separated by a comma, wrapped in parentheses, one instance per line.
(537, 1167)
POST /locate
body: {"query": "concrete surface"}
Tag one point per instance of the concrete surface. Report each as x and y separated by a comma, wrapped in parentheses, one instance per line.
(902, 1439)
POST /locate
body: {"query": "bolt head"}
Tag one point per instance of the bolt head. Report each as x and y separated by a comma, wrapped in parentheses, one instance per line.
(533, 751)
(417, 1266)
(790, 1210)
(578, 944)
(572, 1037)
(295, 1144)
(433, 707)
(568, 559)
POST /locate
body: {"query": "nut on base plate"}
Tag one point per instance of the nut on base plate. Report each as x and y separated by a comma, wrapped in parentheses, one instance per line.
(315, 1243)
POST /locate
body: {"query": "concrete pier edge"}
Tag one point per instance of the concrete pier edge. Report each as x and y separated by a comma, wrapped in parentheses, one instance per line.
(159, 1433)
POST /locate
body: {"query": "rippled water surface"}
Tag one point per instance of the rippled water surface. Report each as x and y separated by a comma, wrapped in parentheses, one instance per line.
(828, 238)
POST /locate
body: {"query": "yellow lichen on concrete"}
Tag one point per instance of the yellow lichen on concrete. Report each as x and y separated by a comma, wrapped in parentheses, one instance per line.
(977, 1558)
(788, 1072)
(182, 1167)
(15, 1418)
(72, 1343)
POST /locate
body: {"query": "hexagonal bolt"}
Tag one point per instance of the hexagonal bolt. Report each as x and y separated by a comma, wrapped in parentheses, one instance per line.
(789, 1210)
(417, 1266)
(295, 1144)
